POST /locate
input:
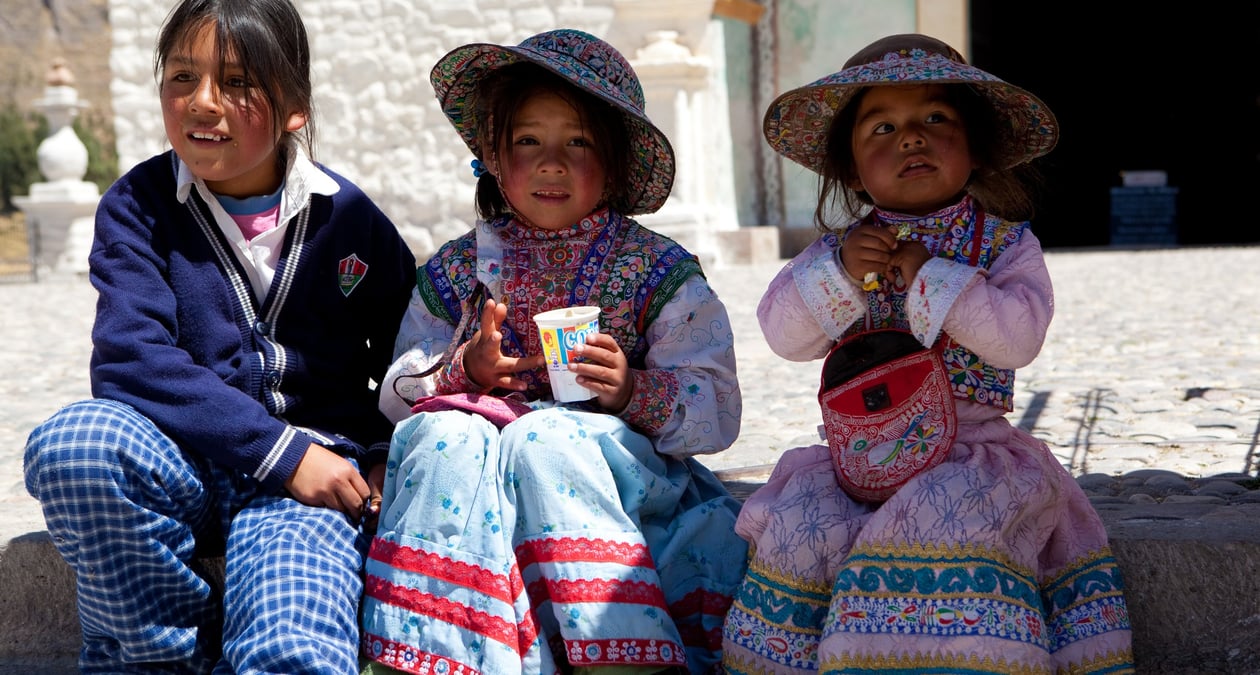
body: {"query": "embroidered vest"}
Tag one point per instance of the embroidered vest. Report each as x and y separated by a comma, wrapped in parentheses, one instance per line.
(607, 260)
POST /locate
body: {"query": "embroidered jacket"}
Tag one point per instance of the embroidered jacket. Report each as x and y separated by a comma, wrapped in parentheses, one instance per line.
(180, 336)
(986, 288)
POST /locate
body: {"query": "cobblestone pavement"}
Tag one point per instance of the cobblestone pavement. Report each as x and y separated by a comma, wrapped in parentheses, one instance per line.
(1152, 362)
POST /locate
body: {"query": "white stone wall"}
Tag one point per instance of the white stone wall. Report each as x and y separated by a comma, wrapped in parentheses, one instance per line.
(377, 120)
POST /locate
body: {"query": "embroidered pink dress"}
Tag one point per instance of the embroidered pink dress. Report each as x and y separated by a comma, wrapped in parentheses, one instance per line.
(571, 535)
(991, 562)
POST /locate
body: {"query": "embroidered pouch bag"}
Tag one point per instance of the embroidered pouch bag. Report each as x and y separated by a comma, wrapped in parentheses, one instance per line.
(887, 409)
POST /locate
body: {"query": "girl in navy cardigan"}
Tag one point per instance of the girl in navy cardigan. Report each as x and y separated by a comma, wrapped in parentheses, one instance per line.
(248, 299)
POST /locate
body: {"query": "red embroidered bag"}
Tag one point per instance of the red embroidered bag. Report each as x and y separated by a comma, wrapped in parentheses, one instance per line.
(887, 409)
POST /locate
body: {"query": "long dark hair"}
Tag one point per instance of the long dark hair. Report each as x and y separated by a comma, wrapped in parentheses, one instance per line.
(503, 92)
(267, 37)
(1005, 192)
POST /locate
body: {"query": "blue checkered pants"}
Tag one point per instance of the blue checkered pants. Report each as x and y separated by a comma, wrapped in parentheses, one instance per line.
(128, 511)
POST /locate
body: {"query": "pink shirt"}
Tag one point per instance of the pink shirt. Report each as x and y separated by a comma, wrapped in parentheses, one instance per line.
(254, 224)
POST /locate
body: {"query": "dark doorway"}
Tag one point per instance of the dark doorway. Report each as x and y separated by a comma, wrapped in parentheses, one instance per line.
(1136, 87)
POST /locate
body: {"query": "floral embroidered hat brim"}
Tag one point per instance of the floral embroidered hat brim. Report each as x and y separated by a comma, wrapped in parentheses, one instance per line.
(591, 65)
(797, 122)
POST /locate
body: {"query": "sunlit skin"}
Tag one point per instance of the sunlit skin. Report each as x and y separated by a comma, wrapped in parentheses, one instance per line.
(228, 145)
(552, 179)
(911, 155)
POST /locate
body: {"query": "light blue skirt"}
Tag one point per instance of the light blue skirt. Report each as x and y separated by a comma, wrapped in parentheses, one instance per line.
(562, 538)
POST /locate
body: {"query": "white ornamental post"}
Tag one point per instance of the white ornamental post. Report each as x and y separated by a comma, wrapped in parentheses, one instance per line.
(676, 48)
(59, 211)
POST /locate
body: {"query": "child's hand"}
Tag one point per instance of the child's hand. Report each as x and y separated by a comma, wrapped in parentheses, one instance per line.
(484, 362)
(324, 478)
(907, 258)
(868, 250)
(372, 507)
(604, 370)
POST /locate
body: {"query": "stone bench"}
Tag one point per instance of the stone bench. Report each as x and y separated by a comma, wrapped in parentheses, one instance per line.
(1191, 565)
(1190, 554)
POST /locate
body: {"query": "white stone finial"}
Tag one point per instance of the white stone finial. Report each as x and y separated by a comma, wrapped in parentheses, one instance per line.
(663, 47)
(59, 74)
(61, 156)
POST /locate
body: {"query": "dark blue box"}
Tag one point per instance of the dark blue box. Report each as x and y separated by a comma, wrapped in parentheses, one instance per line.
(1144, 216)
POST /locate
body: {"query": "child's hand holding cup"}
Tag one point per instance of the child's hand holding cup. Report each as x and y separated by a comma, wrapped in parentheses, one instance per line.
(561, 331)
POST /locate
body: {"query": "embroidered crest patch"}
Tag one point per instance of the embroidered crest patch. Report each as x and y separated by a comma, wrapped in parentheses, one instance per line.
(350, 272)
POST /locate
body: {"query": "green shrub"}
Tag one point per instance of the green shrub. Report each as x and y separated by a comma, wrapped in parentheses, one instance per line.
(18, 165)
(102, 167)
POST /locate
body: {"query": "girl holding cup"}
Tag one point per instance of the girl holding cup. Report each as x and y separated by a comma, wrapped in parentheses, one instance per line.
(520, 534)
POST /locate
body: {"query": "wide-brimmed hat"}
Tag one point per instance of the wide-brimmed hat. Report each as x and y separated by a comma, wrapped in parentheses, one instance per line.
(797, 122)
(591, 65)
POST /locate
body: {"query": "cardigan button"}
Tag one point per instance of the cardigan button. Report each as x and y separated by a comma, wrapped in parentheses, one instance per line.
(261, 328)
(273, 378)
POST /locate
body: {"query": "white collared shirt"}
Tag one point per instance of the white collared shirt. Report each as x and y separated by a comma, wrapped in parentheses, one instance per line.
(260, 255)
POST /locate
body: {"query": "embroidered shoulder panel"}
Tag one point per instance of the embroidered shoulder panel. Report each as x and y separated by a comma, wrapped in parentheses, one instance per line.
(449, 277)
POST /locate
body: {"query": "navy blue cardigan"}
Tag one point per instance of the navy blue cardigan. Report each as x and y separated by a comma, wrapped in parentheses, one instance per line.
(180, 337)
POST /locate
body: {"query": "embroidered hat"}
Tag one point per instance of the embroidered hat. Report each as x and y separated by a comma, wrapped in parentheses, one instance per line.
(591, 65)
(797, 122)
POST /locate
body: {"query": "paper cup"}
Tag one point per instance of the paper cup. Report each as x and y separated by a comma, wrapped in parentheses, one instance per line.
(561, 331)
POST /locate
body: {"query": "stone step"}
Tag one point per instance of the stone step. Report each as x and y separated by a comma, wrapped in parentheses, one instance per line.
(1191, 569)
